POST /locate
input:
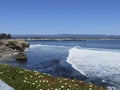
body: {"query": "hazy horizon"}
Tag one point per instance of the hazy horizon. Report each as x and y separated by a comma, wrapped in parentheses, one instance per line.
(63, 34)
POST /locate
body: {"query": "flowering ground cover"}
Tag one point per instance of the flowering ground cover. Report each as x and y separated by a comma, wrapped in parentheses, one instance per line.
(21, 79)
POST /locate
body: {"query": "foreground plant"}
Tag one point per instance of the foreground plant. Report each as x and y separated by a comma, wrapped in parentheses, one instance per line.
(21, 79)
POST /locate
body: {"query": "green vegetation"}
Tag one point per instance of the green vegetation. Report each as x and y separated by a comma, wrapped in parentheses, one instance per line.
(12, 42)
(21, 79)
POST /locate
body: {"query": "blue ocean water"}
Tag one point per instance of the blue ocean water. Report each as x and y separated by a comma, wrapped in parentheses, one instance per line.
(96, 61)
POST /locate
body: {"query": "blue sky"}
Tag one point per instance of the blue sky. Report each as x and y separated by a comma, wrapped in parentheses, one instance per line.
(60, 16)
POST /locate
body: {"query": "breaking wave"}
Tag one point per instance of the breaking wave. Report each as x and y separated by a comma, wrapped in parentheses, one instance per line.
(96, 63)
(41, 45)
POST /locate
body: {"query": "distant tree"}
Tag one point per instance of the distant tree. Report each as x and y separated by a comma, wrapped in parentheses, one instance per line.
(5, 36)
(9, 36)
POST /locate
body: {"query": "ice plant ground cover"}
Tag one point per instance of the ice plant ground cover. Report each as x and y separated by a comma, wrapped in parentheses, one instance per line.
(21, 79)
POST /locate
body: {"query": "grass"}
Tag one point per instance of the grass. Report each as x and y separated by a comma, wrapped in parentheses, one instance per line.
(21, 79)
(12, 42)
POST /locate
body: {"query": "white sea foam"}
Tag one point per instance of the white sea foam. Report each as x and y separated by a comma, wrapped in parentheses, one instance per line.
(35, 45)
(41, 45)
(104, 64)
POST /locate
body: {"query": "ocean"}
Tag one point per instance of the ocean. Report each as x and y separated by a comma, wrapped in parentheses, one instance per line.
(96, 61)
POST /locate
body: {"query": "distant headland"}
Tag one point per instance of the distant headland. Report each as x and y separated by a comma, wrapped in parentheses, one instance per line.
(67, 37)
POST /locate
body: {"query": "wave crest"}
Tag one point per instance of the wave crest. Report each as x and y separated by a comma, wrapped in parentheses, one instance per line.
(96, 63)
(41, 45)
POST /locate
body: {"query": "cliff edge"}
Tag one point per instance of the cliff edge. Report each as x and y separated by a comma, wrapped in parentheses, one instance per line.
(10, 46)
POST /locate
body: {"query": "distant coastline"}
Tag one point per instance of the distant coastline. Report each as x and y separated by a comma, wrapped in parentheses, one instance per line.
(66, 37)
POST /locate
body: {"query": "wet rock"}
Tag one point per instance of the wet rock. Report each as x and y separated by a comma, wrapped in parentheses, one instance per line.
(21, 56)
(8, 47)
(5, 51)
(1, 43)
(25, 45)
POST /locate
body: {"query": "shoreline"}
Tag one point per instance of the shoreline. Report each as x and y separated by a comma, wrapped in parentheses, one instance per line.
(6, 52)
(13, 47)
(7, 57)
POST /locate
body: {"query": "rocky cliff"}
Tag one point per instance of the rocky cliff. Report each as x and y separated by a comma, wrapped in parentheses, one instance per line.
(8, 47)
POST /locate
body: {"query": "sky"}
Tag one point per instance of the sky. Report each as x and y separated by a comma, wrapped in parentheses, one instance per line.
(60, 17)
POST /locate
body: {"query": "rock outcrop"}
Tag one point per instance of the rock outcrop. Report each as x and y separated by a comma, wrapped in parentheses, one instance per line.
(21, 56)
(5, 51)
(10, 45)
(19, 45)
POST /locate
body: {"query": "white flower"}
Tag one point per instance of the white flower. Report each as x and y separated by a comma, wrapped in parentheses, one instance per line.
(62, 86)
(76, 84)
(39, 80)
(65, 83)
(36, 81)
(69, 85)
(90, 85)
(26, 70)
(31, 76)
(81, 81)
(65, 79)
(60, 81)
(72, 80)
(48, 84)
(43, 80)
(38, 85)
(24, 81)
(1, 72)
(41, 76)
(59, 88)
(28, 82)
(20, 72)
(47, 81)
(25, 77)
